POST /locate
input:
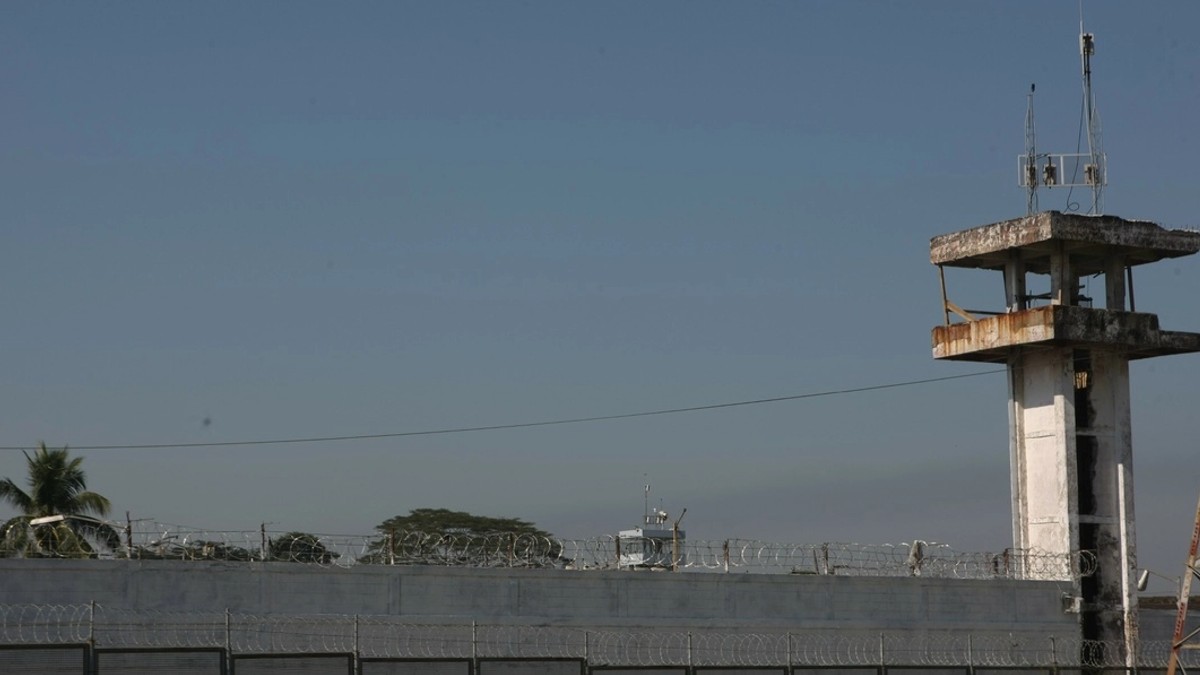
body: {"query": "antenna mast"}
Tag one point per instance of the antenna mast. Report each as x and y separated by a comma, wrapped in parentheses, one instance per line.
(1030, 163)
(1093, 171)
(646, 508)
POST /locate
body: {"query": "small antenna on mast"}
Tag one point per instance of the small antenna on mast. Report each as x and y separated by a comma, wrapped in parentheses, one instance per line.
(1029, 166)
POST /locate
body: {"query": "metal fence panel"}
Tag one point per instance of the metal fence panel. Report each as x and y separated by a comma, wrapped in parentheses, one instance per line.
(294, 664)
(639, 671)
(414, 667)
(741, 671)
(43, 660)
(175, 661)
(530, 667)
(825, 670)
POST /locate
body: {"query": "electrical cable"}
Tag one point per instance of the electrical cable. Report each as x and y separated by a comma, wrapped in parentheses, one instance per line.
(518, 425)
(1074, 206)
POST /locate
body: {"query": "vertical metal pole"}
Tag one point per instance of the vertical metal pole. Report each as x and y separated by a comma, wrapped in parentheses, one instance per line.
(357, 654)
(1053, 656)
(725, 554)
(128, 536)
(882, 657)
(789, 651)
(1129, 598)
(691, 664)
(474, 648)
(92, 660)
(586, 651)
(945, 307)
(970, 654)
(391, 544)
(675, 547)
(228, 644)
(263, 531)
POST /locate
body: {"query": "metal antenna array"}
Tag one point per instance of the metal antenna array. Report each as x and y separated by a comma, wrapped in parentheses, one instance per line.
(1070, 170)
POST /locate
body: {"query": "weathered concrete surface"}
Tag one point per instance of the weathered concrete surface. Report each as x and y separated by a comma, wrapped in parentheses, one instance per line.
(1087, 239)
(581, 598)
(1068, 366)
(992, 339)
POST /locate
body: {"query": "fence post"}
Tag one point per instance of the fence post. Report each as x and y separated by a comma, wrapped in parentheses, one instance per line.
(92, 661)
(474, 648)
(970, 654)
(128, 536)
(726, 554)
(391, 545)
(882, 657)
(357, 664)
(690, 663)
(1053, 656)
(789, 652)
(228, 644)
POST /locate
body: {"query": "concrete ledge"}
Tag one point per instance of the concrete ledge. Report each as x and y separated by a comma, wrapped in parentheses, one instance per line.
(991, 339)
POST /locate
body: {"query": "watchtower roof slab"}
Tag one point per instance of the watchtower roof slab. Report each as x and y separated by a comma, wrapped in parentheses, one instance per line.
(1089, 240)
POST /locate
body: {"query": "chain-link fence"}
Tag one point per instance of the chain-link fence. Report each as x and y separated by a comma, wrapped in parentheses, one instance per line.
(149, 541)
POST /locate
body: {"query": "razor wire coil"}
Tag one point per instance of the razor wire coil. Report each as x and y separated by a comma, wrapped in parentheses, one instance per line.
(152, 541)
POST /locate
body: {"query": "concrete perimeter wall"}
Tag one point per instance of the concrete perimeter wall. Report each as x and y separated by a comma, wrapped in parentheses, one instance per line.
(559, 597)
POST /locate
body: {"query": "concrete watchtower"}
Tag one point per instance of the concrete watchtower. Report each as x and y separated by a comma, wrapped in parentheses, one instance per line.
(1068, 367)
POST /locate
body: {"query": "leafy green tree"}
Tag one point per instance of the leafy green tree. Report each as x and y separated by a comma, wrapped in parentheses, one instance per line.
(301, 547)
(217, 550)
(445, 537)
(445, 521)
(57, 487)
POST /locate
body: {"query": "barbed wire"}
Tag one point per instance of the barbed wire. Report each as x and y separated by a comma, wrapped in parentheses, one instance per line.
(158, 541)
(391, 637)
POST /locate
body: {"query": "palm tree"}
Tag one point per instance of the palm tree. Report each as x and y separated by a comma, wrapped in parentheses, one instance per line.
(59, 498)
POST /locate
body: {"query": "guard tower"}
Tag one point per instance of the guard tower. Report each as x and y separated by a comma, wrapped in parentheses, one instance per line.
(1068, 369)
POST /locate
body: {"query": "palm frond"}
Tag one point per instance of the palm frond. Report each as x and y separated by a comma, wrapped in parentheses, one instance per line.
(90, 502)
(15, 496)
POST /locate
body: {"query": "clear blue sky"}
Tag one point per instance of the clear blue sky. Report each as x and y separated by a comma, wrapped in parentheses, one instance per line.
(296, 219)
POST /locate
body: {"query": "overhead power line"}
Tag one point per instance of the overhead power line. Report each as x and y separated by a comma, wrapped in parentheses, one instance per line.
(520, 425)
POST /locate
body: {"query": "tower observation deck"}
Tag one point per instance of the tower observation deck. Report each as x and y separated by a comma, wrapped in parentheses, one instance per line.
(1068, 360)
